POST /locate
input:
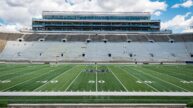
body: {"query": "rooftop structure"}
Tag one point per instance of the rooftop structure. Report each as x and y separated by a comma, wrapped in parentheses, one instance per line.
(122, 22)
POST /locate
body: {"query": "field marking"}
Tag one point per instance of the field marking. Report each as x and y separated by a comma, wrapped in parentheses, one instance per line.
(154, 94)
(4, 81)
(187, 82)
(11, 70)
(139, 79)
(21, 70)
(167, 81)
(28, 79)
(117, 79)
(24, 74)
(164, 74)
(163, 80)
(73, 80)
(104, 105)
(184, 81)
(146, 81)
(180, 79)
(91, 81)
(47, 81)
(56, 77)
(96, 80)
(101, 81)
(179, 73)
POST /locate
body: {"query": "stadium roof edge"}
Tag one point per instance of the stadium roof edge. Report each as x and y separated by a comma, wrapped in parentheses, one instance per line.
(92, 33)
(63, 33)
(95, 13)
(48, 20)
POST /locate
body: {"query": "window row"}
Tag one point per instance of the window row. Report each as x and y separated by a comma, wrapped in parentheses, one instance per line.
(97, 23)
(97, 17)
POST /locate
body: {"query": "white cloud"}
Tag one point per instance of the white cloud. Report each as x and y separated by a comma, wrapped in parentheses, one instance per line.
(188, 31)
(157, 13)
(10, 28)
(186, 4)
(179, 22)
(22, 11)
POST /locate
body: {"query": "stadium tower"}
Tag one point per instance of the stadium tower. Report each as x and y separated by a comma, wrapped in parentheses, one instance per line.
(122, 22)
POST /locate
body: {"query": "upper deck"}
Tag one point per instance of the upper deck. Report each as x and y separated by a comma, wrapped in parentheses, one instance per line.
(66, 15)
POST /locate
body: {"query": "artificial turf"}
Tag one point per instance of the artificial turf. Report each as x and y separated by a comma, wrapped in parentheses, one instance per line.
(71, 77)
(97, 78)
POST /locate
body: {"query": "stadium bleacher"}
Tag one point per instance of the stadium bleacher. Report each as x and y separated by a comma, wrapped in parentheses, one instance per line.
(10, 36)
(33, 37)
(109, 48)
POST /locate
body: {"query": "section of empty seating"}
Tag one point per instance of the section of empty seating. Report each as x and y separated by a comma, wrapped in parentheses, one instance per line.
(158, 38)
(38, 51)
(56, 37)
(187, 37)
(77, 38)
(189, 48)
(116, 38)
(96, 38)
(10, 36)
(97, 51)
(137, 38)
(64, 52)
(176, 38)
(33, 37)
(99, 48)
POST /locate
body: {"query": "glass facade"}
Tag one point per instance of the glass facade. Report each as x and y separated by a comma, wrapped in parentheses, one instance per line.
(74, 17)
(134, 22)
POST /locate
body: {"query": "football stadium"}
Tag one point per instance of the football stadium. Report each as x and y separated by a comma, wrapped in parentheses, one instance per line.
(100, 59)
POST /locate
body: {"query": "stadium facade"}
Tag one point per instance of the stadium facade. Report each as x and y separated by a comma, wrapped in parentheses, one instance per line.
(125, 22)
(96, 37)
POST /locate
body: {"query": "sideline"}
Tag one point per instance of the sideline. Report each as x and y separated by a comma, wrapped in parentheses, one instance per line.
(96, 93)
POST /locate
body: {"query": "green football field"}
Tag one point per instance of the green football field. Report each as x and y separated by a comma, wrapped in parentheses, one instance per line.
(96, 78)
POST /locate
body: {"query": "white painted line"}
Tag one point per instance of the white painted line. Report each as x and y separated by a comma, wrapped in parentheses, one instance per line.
(27, 80)
(165, 74)
(117, 79)
(96, 80)
(163, 80)
(139, 79)
(183, 94)
(100, 105)
(73, 80)
(55, 77)
(21, 71)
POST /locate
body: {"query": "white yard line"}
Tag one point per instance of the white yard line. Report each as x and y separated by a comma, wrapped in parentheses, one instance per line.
(139, 80)
(108, 105)
(165, 74)
(28, 73)
(96, 80)
(103, 104)
(12, 72)
(26, 81)
(117, 79)
(96, 94)
(163, 80)
(56, 77)
(73, 80)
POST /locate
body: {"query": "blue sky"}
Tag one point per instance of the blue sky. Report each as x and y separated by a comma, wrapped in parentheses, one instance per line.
(174, 14)
(171, 12)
